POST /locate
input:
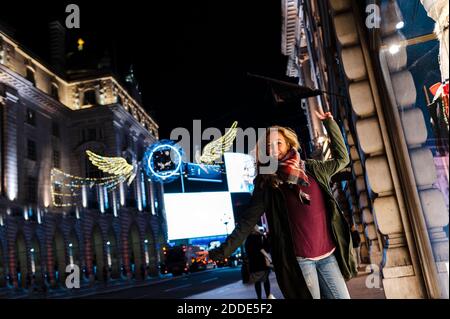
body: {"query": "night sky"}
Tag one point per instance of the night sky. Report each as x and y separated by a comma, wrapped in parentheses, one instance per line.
(190, 58)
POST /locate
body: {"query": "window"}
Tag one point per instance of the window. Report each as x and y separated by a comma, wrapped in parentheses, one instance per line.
(130, 142)
(125, 141)
(31, 117)
(31, 150)
(89, 98)
(32, 189)
(55, 129)
(54, 91)
(131, 196)
(140, 150)
(30, 76)
(57, 189)
(56, 159)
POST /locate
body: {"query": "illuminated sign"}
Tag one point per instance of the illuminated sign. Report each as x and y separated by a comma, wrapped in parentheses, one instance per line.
(163, 161)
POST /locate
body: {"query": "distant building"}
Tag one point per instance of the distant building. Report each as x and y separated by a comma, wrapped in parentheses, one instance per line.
(48, 120)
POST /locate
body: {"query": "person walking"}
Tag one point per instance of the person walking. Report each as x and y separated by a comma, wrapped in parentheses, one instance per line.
(257, 249)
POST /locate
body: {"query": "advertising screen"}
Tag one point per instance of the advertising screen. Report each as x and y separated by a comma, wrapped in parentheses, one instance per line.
(241, 171)
(191, 215)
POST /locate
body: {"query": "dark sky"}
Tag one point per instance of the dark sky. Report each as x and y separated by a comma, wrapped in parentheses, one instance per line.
(191, 58)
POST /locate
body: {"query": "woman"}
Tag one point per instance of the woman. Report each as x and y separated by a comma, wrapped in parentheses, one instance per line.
(312, 249)
(256, 246)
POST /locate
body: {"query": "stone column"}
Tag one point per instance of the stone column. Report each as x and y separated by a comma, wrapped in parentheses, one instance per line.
(9, 158)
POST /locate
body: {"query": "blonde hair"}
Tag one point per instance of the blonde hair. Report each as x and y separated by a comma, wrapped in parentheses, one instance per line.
(288, 134)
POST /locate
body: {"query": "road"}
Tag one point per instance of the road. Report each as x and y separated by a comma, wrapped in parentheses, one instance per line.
(178, 287)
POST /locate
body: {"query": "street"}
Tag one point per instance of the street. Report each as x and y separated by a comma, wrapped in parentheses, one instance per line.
(178, 287)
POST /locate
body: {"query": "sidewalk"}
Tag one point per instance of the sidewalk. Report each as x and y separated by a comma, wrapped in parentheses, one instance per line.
(238, 290)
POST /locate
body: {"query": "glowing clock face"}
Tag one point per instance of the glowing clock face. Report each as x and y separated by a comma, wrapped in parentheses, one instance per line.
(162, 161)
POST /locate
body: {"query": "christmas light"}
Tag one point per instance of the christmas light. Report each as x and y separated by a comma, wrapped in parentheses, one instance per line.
(162, 161)
(113, 165)
(215, 149)
(117, 166)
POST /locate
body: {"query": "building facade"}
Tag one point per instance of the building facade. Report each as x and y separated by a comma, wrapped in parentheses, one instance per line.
(48, 121)
(377, 69)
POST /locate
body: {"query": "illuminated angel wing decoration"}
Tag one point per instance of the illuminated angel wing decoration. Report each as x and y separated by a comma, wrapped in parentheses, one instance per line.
(117, 166)
(66, 189)
(214, 150)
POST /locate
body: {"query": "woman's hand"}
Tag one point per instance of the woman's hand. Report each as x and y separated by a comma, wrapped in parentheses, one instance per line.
(323, 116)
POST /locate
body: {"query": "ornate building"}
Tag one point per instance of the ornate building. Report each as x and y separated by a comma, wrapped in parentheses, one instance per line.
(48, 120)
(396, 193)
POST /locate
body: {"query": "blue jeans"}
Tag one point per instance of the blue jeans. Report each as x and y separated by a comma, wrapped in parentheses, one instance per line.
(324, 278)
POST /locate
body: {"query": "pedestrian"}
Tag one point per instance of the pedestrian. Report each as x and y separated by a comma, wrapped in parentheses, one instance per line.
(310, 239)
(257, 248)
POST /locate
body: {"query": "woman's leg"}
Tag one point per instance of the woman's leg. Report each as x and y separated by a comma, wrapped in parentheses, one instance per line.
(358, 256)
(258, 289)
(267, 286)
(309, 272)
(332, 284)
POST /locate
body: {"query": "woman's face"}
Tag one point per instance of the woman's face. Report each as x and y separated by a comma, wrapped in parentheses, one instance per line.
(278, 147)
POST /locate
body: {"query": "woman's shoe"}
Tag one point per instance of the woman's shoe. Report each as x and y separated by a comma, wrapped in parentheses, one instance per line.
(270, 296)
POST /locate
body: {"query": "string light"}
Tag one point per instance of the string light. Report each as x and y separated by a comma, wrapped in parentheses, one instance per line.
(117, 166)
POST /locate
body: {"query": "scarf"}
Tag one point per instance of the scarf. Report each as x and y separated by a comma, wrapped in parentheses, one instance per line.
(291, 170)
